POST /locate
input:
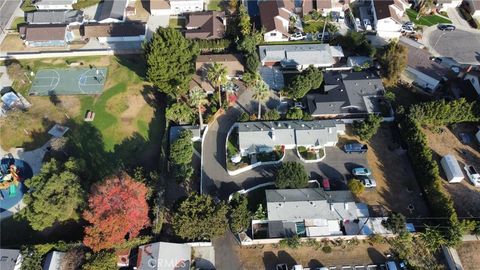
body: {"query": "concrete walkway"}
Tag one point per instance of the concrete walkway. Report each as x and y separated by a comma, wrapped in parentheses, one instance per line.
(5, 80)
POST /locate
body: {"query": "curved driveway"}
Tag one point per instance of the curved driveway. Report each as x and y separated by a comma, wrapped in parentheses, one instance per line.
(214, 174)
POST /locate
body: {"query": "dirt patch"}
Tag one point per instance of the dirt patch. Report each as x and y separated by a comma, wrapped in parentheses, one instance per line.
(468, 253)
(268, 256)
(393, 173)
(71, 104)
(135, 105)
(445, 141)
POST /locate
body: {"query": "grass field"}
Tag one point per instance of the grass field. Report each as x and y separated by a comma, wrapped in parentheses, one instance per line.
(177, 22)
(215, 5)
(17, 21)
(425, 20)
(124, 112)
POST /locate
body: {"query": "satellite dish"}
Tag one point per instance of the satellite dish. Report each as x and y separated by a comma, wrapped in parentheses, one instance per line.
(152, 263)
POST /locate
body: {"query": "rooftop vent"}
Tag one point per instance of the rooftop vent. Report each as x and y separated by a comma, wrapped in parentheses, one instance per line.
(289, 126)
(279, 125)
(345, 204)
(331, 207)
(303, 125)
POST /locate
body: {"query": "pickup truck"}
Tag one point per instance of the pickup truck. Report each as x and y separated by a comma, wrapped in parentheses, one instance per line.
(355, 148)
(473, 175)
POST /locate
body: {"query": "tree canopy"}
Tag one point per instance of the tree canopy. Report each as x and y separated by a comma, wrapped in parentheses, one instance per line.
(394, 61)
(239, 215)
(294, 113)
(118, 210)
(179, 112)
(309, 79)
(103, 260)
(291, 175)
(199, 218)
(56, 194)
(170, 58)
(396, 223)
(181, 150)
(367, 128)
(358, 43)
(355, 186)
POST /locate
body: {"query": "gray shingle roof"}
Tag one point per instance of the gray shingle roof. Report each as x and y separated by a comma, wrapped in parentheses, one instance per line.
(163, 256)
(54, 16)
(312, 203)
(344, 93)
(272, 133)
(9, 258)
(111, 9)
(306, 54)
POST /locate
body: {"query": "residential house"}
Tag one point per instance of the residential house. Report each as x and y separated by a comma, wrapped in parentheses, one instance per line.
(206, 25)
(164, 256)
(159, 7)
(184, 6)
(116, 32)
(422, 71)
(44, 35)
(54, 4)
(473, 7)
(11, 259)
(54, 17)
(111, 11)
(275, 18)
(347, 95)
(232, 62)
(175, 132)
(324, 7)
(300, 56)
(309, 212)
(53, 261)
(388, 17)
(256, 137)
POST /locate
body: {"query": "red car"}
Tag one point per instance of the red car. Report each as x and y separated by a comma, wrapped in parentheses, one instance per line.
(326, 184)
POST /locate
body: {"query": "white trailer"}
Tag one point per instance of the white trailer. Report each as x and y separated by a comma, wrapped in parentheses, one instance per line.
(452, 169)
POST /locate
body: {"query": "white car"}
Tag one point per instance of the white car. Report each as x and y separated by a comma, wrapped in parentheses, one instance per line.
(368, 182)
(367, 24)
(297, 36)
(358, 23)
(473, 175)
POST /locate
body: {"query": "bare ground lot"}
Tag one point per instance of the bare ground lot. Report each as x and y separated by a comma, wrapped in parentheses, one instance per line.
(465, 196)
(268, 256)
(468, 253)
(391, 169)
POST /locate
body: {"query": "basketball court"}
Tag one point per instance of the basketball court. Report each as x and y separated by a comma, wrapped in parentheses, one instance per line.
(71, 81)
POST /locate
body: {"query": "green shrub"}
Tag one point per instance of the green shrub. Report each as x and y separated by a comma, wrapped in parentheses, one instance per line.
(244, 117)
(272, 115)
(291, 242)
(327, 249)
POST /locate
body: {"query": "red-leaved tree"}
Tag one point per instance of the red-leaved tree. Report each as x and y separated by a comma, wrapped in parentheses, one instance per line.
(118, 210)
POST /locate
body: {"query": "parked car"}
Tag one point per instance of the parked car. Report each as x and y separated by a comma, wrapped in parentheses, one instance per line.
(473, 175)
(411, 24)
(281, 266)
(446, 27)
(326, 184)
(326, 36)
(368, 182)
(355, 148)
(391, 265)
(297, 36)
(408, 29)
(361, 171)
(299, 105)
(358, 23)
(367, 24)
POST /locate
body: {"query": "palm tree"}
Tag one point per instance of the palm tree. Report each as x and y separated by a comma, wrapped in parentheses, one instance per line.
(198, 98)
(424, 8)
(217, 75)
(260, 93)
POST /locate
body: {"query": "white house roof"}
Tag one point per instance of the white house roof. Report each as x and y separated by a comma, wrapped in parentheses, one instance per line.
(305, 54)
(11, 259)
(54, 261)
(312, 203)
(164, 256)
(272, 133)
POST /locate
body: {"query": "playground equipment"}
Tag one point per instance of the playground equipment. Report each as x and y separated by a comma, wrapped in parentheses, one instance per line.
(10, 180)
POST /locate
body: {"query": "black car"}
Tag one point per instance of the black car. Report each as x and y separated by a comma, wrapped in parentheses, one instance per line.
(446, 27)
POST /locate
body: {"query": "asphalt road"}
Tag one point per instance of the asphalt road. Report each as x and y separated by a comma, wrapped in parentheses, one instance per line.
(7, 8)
(463, 44)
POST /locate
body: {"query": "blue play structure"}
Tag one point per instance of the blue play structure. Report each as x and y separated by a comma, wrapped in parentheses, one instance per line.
(12, 174)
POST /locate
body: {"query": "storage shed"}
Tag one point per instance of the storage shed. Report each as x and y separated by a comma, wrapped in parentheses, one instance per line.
(452, 169)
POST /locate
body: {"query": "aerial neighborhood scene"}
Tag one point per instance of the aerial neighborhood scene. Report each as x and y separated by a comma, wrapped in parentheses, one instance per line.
(240, 134)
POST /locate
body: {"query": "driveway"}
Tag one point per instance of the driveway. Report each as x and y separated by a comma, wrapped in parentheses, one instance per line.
(457, 19)
(461, 44)
(156, 21)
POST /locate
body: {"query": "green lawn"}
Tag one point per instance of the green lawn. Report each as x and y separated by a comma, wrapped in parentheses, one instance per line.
(16, 22)
(81, 4)
(215, 5)
(27, 6)
(425, 20)
(176, 22)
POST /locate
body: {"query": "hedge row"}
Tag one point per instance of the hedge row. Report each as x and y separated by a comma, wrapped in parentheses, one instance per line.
(214, 45)
(426, 168)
